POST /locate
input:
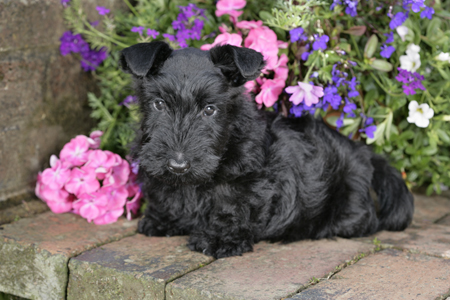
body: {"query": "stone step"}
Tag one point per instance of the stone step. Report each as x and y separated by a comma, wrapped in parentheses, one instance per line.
(272, 271)
(136, 267)
(389, 274)
(34, 252)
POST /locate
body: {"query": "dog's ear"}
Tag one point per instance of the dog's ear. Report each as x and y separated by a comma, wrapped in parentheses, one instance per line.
(237, 64)
(144, 58)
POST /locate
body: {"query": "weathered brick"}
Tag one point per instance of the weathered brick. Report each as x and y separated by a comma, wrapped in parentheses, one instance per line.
(272, 271)
(389, 274)
(26, 209)
(430, 239)
(136, 267)
(428, 210)
(34, 252)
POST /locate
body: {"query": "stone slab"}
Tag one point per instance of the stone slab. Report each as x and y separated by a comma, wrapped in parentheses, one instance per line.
(431, 239)
(24, 210)
(34, 252)
(389, 274)
(136, 267)
(428, 210)
(272, 271)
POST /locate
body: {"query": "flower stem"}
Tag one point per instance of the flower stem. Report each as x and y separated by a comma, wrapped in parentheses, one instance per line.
(310, 70)
(356, 47)
(101, 34)
(382, 87)
(133, 10)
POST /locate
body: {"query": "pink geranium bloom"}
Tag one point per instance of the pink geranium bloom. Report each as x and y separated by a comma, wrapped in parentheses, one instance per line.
(114, 197)
(90, 206)
(101, 162)
(264, 40)
(250, 86)
(109, 217)
(249, 24)
(82, 181)
(270, 91)
(75, 152)
(59, 200)
(281, 70)
(95, 139)
(119, 174)
(304, 91)
(56, 176)
(134, 204)
(229, 6)
(233, 39)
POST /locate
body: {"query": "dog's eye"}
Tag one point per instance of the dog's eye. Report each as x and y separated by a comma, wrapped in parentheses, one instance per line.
(209, 110)
(159, 104)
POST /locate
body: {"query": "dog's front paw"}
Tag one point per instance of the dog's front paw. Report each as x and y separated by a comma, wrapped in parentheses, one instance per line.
(150, 227)
(218, 248)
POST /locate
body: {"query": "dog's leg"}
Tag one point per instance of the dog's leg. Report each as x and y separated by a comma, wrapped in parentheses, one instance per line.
(228, 233)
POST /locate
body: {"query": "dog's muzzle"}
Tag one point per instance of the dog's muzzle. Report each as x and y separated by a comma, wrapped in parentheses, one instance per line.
(178, 167)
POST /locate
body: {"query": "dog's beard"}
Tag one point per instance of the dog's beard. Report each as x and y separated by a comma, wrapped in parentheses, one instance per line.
(202, 169)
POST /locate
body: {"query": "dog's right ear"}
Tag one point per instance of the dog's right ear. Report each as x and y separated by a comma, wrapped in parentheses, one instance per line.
(237, 64)
(144, 58)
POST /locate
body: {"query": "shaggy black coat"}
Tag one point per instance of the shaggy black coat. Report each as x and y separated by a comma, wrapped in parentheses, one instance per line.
(216, 168)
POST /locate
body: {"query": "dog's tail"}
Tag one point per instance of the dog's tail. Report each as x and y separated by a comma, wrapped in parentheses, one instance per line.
(396, 203)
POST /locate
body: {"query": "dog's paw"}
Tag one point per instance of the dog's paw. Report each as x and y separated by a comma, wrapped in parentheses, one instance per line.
(150, 228)
(218, 248)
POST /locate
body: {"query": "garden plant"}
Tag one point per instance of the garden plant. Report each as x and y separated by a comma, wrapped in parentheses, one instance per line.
(376, 71)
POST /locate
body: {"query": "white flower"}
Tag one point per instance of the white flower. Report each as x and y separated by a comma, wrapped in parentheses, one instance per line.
(411, 61)
(443, 56)
(402, 31)
(419, 114)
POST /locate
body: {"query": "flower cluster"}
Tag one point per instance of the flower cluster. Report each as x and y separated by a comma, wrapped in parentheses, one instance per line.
(411, 81)
(230, 7)
(74, 43)
(188, 25)
(350, 6)
(92, 183)
(262, 39)
(141, 29)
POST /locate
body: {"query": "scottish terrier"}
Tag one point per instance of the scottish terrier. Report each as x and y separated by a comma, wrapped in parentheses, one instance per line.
(216, 168)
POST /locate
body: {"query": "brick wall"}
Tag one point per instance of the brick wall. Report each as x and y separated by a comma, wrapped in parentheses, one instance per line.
(43, 102)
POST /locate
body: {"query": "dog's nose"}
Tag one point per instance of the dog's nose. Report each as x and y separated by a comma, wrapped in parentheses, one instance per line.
(178, 167)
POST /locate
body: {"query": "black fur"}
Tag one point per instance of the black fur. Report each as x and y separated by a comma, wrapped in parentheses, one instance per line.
(242, 175)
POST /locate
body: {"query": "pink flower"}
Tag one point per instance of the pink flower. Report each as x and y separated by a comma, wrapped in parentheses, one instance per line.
(101, 162)
(109, 217)
(250, 86)
(229, 7)
(90, 206)
(75, 152)
(249, 24)
(114, 197)
(134, 204)
(119, 174)
(304, 91)
(224, 38)
(270, 91)
(264, 40)
(82, 181)
(281, 70)
(56, 176)
(95, 139)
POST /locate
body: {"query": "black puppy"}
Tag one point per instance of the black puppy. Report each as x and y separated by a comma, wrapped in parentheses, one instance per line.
(214, 167)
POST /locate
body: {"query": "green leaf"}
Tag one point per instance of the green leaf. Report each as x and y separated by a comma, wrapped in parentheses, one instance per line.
(378, 135)
(443, 136)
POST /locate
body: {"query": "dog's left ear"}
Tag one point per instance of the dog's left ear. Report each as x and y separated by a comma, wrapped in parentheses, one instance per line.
(237, 64)
(144, 58)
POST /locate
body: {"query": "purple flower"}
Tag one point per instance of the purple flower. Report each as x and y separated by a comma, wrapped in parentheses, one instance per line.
(351, 7)
(335, 2)
(337, 76)
(129, 100)
(332, 97)
(349, 107)
(370, 131)
(102, 10)
(64, 2)
(320, 43)
(427, 13)
(411, 81)
(416, 5)
(398, 19)
(95, 23)
(297, 34)
(170, 37)
(93, 58)
(386, 51)
(153, 33)
(369, 121)
(139, 29)
(305, 55)
(390, 37)
(340, 121)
